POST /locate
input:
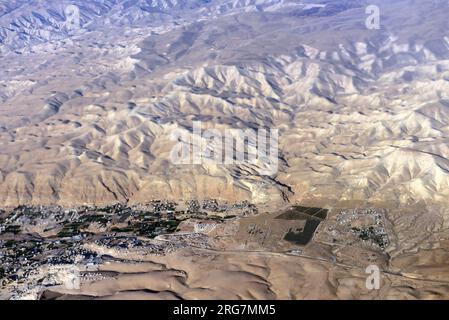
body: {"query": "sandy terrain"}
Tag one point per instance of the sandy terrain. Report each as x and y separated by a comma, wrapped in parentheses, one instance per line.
(198, 274)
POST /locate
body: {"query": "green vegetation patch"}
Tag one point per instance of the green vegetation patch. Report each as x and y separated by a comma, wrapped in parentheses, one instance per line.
(14, 229)
(72, 229)
(303, 237)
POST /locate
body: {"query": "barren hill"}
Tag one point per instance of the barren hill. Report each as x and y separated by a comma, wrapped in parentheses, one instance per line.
(86, 116)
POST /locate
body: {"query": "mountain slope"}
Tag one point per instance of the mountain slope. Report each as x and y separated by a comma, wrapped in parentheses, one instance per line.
(87, 116)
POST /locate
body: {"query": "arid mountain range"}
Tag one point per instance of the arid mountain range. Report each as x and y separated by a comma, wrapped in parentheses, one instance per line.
(86, 114)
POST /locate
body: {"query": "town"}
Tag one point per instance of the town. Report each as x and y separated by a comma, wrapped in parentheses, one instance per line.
(34, 239)
(365, 226)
